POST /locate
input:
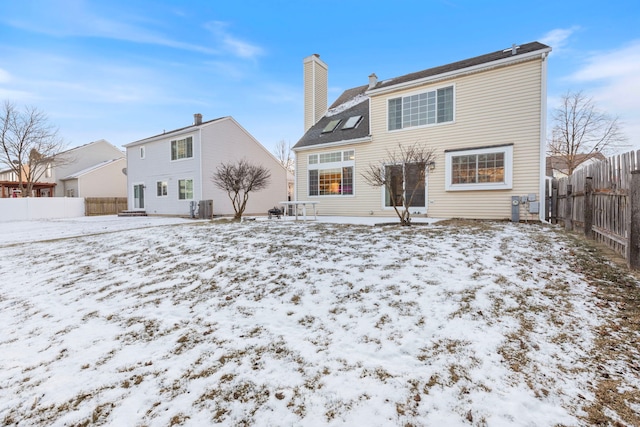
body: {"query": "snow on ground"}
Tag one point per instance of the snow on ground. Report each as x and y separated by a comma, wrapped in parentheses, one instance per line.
(156, 322)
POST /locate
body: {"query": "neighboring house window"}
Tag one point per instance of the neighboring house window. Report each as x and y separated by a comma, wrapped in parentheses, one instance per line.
(489, 168)
(421, 109)
(70, 193)
(182, 148)
(142, 152)
(185, 189)
(411, 185)
(161, 188)
(47, 171)
(331, 174)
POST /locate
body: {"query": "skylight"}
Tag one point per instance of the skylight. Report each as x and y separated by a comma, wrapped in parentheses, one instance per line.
(333, 124)
(352, 122)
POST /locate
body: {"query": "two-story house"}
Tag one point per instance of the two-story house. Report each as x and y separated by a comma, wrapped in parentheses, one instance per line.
(483, 117)
(169, 171)
(95, 169)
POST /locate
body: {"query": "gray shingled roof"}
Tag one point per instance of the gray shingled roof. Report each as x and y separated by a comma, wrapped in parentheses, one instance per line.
(314, 135)
(478, 60)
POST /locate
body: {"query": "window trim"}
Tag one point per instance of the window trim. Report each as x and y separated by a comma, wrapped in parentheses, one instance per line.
(418, 92)
(192, 188)
(342, 164)
(508, 168)
(177, 159)
(165, 187)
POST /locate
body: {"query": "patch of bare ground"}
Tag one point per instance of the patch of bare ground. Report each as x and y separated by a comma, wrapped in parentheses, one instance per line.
(616, 357)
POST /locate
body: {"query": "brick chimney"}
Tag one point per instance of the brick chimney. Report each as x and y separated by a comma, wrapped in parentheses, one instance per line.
(197, 119)
(315, 78)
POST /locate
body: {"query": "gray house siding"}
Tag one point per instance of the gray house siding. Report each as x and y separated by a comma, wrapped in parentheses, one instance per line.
(214, 142)
(80, 158)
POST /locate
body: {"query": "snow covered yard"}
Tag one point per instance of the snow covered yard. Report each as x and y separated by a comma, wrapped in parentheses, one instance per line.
(279, 323)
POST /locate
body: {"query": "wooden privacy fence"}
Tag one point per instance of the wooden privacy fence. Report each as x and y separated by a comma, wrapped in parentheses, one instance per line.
(104, 205)
(602, 200)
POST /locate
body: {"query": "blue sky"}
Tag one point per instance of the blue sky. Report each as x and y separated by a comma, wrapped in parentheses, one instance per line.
(127, 70)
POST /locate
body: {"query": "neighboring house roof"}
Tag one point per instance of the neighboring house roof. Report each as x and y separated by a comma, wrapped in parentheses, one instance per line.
(90, 169)
(99, 141)
(352, 101)
(560, 163)
(176, 131)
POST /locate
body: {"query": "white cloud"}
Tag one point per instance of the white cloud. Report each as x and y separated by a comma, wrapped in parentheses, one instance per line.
(558, 38)
(611, 78)
(232, 44)
(78, 21)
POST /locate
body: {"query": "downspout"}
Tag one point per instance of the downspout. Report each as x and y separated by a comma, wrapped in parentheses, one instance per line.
(543, 139)
(201, 165)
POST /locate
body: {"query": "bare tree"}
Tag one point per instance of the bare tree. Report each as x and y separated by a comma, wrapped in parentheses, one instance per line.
(29, 144)
(284, 155)
(402, 174)
(581, 130)
(239, 179)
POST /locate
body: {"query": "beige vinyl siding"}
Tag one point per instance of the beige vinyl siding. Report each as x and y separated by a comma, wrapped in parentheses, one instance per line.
(495, 107)
(315, 90)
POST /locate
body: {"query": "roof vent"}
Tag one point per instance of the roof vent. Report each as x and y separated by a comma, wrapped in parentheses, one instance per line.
(514, 49)
(373, 80)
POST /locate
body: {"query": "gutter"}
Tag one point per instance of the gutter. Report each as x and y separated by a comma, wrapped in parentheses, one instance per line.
(334, 144)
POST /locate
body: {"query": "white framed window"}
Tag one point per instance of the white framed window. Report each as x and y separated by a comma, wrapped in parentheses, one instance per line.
(487, 168)
(161, 188)
(331, 174)
(47, 172)
(142, 152)
(182, 148)
(421, 109)
(185, 189)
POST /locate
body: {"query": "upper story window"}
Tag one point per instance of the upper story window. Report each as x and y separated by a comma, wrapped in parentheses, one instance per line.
(48, 173)
(142, 152)
(182, 148)
(331, 174)
(479, 169)
(421, 109)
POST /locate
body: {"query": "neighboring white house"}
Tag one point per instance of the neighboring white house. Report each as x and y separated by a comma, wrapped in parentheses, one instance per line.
(95, 169)
(484, 117)
(167, 172)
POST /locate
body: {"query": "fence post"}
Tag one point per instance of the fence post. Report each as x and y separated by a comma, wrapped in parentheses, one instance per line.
(588, 207)
(633, 244)
(568, 209)
(554, 201)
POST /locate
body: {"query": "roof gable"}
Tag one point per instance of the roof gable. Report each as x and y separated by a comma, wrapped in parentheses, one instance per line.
(175, 131)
